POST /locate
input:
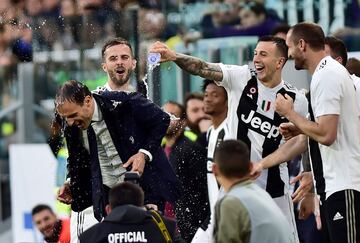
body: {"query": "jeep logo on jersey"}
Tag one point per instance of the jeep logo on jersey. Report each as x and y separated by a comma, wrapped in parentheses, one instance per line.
(261, 124)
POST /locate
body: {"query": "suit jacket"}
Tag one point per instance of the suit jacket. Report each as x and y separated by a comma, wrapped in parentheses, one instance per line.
(134, 123)
(129, 220)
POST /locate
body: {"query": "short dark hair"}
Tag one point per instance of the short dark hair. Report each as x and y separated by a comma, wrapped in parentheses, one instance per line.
(311, 33)
(353, 66)
(193, 96)
(337, 47)
(39, 208)
(281, 28)
(71, 91)
(233, 158)
(207, 82)
(115, 42)
(181, 107)
(279, 42)
(126, 193)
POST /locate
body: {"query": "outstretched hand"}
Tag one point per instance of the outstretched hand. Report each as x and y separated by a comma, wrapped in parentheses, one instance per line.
(256, 170)
(307, 206)
(310, 204)
(306, 184)
(166, 53)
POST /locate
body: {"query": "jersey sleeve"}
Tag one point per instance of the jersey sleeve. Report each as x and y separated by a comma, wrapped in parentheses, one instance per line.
(234, 77)
(327, 93)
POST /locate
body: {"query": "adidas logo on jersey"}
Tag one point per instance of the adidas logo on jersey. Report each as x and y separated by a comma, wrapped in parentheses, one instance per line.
(263, 127)
(337, 216)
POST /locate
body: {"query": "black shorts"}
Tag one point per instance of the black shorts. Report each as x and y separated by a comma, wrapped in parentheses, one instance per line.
(340, 217)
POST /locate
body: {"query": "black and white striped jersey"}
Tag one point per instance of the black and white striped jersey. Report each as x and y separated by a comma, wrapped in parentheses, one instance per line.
(252, 119)
(214, 137)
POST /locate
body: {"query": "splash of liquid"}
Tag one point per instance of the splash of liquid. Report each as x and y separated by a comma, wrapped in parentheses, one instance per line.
(150, 68)
(153, 62)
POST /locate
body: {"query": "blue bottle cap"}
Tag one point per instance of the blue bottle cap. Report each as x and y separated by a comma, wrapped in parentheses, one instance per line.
(154, 58)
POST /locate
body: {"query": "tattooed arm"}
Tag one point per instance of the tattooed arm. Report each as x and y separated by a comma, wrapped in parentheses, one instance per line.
(193, 65)
(199, 67)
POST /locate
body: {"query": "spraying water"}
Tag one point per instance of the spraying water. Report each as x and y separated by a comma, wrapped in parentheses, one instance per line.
(153, 62)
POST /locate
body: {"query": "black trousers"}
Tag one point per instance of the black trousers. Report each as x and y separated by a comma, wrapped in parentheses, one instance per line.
(340, 217)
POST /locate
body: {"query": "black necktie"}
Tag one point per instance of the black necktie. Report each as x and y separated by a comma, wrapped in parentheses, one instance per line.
(98, 197)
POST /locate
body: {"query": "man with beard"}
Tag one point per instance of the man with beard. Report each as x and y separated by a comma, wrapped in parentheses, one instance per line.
(52, 228)
(251, 116)
(194, 108)
(189, 161)
(119, 63)
(334, 130)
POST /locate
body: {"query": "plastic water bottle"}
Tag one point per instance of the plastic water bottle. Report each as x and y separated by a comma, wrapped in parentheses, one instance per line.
(154, 59)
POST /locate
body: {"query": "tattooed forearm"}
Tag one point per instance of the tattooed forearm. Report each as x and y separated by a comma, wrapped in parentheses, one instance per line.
(199, 67)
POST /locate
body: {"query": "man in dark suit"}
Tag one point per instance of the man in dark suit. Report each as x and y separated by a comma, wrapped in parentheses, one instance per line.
(129, 221)
(107, 134)
(189, 162)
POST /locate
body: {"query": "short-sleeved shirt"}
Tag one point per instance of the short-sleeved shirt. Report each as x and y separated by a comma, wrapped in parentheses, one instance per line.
(332, 93)
(252, 119)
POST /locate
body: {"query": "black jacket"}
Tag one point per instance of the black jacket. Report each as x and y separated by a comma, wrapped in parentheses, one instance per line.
(189, 161)
(127, 221)
(134, 123)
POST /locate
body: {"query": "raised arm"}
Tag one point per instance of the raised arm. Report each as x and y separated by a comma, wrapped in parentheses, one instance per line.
(193, 65)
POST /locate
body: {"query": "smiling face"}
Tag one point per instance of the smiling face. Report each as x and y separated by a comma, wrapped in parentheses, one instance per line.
(76, 114)
(119, 64)
(267, 61)
(295, 52)
(45, 222)
(215, 99)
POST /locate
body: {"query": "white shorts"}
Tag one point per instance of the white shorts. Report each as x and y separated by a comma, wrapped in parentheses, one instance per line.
(81, 221)
(287, 207)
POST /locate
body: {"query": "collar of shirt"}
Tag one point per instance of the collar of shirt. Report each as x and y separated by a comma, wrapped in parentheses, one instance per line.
(97, 116)
(322, 63)
(107, 86)
(273, 89)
